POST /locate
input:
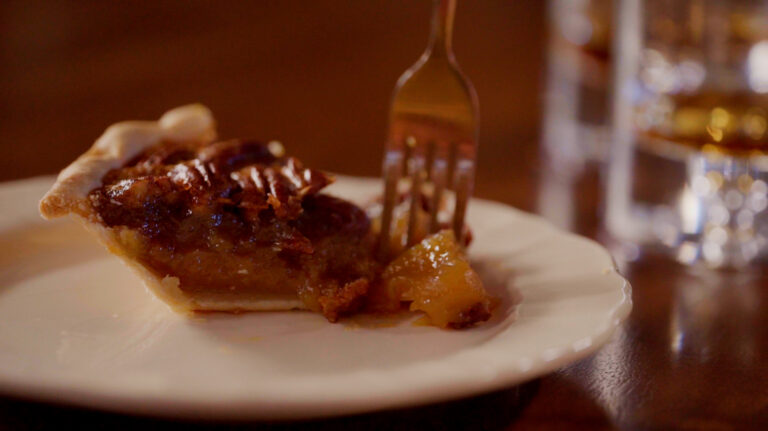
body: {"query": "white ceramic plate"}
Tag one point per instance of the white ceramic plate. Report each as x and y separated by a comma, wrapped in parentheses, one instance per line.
(76, 326)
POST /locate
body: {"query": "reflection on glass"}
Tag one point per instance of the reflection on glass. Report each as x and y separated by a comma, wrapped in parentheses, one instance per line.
(689, 165)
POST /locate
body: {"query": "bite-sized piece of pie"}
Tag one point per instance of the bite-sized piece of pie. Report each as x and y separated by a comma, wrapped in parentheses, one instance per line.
(435, 277)
(218, 225)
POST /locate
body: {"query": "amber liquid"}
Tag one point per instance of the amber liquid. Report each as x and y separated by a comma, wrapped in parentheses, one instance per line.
(730, 124)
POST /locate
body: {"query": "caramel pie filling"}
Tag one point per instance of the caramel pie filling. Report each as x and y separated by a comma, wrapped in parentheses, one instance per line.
(234, 218)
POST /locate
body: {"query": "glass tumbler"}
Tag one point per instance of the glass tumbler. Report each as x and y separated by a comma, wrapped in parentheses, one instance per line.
(575, 128)
(688, 168)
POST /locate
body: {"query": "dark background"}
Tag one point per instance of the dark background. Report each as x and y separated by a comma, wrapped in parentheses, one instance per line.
(317, 75)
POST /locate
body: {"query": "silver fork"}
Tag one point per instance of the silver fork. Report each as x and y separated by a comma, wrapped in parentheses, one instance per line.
(433, 132)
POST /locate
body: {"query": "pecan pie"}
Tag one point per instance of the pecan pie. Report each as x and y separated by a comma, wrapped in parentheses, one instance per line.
(238, 225)
(218, 225)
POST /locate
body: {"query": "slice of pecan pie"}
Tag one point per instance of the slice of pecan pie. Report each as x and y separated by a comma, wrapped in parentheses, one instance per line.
(218, 225)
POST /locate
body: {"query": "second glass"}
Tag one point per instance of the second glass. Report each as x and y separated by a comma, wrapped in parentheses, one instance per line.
(688, 170)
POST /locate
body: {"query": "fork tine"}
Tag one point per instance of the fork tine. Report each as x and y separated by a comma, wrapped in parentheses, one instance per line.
(430, 157)
(463, 183)
(416, 172)
(452, 150)
(392, 171)
(439, 174)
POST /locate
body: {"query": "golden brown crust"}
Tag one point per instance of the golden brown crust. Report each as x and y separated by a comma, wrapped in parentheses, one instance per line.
(119, 144)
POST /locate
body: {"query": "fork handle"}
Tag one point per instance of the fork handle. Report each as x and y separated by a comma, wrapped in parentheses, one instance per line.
(442, 28)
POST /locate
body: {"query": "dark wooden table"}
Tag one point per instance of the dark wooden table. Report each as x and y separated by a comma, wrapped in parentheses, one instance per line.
(317, 75)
